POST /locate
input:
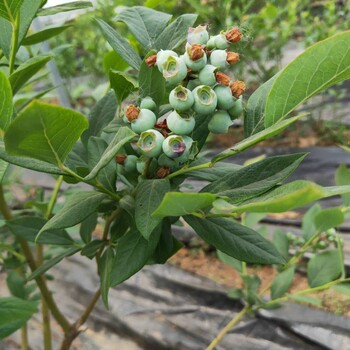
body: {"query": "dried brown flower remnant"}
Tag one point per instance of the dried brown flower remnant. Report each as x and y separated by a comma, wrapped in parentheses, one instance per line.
(232, 57)
(162, 172)
(237, 88)
(222, 78)
(234, 35)
(151, 60)
(120, 158)
(195, 52)
(132, 113)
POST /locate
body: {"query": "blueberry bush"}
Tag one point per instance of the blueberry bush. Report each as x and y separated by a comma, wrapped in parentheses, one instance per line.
(136, 149)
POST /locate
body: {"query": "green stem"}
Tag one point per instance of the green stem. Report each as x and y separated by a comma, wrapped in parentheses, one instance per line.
(186, 170)
(14, 44)
(227, 328)
(24, 338)
(53, 198)
(341, 255)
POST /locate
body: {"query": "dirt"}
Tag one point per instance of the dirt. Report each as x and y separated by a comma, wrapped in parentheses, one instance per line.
(208, 265)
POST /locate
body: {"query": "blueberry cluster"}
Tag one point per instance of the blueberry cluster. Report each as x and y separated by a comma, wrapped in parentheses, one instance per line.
(199, 87)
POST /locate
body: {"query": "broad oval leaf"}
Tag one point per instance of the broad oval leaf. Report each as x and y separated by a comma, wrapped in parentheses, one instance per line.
(308, 224)
(44, 132)
(6, 108)
(235, 240)
(149, 195)
(282, 283)
(256, 178)
(146, 24)
(179, 203)
(122, 85)
(328, 218)
(120, 45)
(324, 64)
(75, 210)
(323, 268)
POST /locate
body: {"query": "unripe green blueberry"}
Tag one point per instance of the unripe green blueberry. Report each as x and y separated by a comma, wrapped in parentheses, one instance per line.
(211, 43)
(219, 122)
(218, 58)
(221, 42)
(181, 99)
(237, 109)
(185, 156)
(224, 95)
(148, 103)
(174, 146)
(193, 84)
(145, 120)
(205, 100)
(207, 75)
(181, 124)
(162, 56)
(174, 70)
(198, 35)
(141, 165)
(130, 163)
(150, 143)
(196, 65)
(322, 245)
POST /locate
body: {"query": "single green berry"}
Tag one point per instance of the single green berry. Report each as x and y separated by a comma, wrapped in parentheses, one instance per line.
(130, 163)
(195, 57)
(181, 99)
(162, 56)
(207, 75)
(186, 155)
(174, 70)
(145, 120)
(219, 122)
(148, 103)
(211, 43)
(218, 58)
(322, 245)
(198, 35)
(224, 95)
(205, 100)
(141, 165)
(150, 143)
(221, 42)
(181, 124)
(237, 109)
(174, 146)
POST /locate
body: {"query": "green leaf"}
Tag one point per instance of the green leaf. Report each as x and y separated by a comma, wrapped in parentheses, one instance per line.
(343, 288)
(105, 270)
(254, 115)
(27, 228)
(71, 6)
(201, 131)
(9, 9)
(305, 299)
(342, 177)
(254, 139)
(235, 240)
(122, 85)
(112, 60)
(282, 283)
(145, 24)
(254, 179)
(108, 175)
(91, 248)
(151, 81)
(6, 108)
(281, 242)
(324, 64)
(120, 225)
(87, 227)
(149, 195)
(3, 168)
(290, 196)
(175, 33)
(43, 35)
(323, 268)
(44, 132)
(29, 163)
(100, 116)
(328, 218)
(123, 136)
(52, 262)
(132, 254)
(229, 260)
(75, 210)
(179, 203)
(120, 45)
(16, 284)
(26, 71)
(308, 224)
(14, 313)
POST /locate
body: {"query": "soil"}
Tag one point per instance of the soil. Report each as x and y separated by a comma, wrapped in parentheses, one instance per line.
(208, 265)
